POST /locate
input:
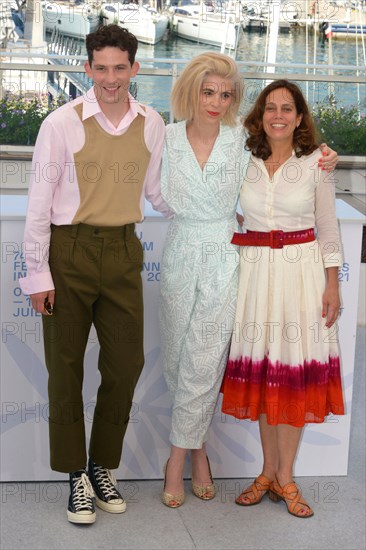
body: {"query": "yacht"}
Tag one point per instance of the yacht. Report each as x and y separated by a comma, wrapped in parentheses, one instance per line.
(75, 20)
(208, 23)
(142, 20)
(345, 30)
(260, 15)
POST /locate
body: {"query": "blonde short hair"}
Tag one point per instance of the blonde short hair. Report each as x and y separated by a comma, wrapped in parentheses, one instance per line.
(186, 92)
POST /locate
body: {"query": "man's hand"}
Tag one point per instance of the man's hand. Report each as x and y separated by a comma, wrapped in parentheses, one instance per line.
(39, 300)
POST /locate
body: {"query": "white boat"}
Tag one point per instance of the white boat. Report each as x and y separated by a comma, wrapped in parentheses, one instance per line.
(344, 30)
(75, 20)
(143, 21)
(207, 24)
(259, 15)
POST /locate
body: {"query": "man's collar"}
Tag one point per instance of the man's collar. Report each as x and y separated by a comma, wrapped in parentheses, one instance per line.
(91, 106)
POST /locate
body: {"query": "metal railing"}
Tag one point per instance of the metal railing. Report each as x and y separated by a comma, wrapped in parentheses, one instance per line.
(311, 74)
(157, 76)
(169, 69)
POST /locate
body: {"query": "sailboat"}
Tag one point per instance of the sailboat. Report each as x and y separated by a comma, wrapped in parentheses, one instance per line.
(75, 20)
(209, 24)
(142, 20)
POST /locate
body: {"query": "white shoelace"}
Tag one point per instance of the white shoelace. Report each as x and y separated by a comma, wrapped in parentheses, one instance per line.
(83, 492)
(106, 482)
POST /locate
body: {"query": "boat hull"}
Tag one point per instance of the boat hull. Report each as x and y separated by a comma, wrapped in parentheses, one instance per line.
(345, 30)
(148, 27)
(71, 20)
(212, 32)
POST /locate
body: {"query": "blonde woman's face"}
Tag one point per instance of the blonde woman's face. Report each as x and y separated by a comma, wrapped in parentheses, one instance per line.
(216, 96)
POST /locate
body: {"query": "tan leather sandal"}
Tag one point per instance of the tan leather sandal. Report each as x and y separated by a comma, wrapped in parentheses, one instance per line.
(254, 493)
(291, 495)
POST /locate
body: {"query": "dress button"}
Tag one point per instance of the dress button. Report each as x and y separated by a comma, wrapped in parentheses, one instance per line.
(96, 231)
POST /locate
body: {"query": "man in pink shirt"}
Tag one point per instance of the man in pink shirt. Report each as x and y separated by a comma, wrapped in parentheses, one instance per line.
(95, 161)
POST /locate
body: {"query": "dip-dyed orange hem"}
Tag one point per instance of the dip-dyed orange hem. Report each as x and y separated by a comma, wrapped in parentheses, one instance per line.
(286, 394)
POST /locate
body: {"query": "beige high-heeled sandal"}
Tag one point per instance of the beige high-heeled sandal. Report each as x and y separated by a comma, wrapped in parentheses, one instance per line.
(172, 501)
(206, 491)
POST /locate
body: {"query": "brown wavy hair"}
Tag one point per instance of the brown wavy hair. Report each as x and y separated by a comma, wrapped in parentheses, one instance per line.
(304, 139)
(111, 36)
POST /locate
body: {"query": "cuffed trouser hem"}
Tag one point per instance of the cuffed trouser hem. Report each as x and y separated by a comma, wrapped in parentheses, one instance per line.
(188, 443)
(106, 442)
(67, 446)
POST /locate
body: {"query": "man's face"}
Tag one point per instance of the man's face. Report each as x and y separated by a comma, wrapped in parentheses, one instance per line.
(111, 72)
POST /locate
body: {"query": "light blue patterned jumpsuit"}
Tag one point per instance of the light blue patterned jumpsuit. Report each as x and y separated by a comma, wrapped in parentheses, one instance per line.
(199, 275)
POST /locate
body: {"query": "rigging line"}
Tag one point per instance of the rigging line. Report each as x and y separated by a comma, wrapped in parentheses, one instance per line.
(267, 38)
(362, 35)
(316, 21)
(307, 46)
(357, 63)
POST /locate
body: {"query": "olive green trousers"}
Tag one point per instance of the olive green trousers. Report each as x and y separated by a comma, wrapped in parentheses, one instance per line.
(97, 277)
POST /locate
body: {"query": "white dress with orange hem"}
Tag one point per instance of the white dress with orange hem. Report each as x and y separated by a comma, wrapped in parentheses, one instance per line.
(283, 362)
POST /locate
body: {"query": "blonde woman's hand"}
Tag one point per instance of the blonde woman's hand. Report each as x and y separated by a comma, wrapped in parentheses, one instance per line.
(329, 159)
(240, 219)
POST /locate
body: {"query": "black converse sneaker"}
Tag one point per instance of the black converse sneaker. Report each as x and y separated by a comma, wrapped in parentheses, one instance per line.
(81, 507)
(106, 495)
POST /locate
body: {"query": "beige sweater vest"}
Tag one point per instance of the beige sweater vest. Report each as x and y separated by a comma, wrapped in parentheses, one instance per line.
(111, 172)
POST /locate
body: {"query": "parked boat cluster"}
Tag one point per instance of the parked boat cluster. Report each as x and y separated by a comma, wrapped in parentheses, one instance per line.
(214, 22)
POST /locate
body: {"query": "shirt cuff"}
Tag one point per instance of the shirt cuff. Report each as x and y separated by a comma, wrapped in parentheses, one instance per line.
(41, 282)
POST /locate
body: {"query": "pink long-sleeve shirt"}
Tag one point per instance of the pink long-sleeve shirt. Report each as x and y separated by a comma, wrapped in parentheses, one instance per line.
(54, 195)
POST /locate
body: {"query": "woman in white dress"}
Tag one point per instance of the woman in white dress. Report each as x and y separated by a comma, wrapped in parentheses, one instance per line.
(283, 366)
(204, 163)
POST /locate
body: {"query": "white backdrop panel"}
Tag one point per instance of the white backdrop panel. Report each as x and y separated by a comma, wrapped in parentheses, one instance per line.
(233, 446)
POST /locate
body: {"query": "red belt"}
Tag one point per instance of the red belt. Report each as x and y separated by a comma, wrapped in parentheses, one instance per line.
(273, 239)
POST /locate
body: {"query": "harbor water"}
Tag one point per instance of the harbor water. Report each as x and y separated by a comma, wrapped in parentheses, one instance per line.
(291, 48)
(252, 47)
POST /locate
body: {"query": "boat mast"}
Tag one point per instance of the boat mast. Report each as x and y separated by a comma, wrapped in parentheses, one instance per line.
(227, 11)
(33, 23)
(273, 36)
(307, 45)
(226, 28)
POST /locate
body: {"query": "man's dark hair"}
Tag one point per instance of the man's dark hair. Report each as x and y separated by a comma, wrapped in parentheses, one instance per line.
(112, 36)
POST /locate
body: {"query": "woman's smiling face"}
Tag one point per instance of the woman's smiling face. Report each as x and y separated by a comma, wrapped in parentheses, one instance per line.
(280, 117)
